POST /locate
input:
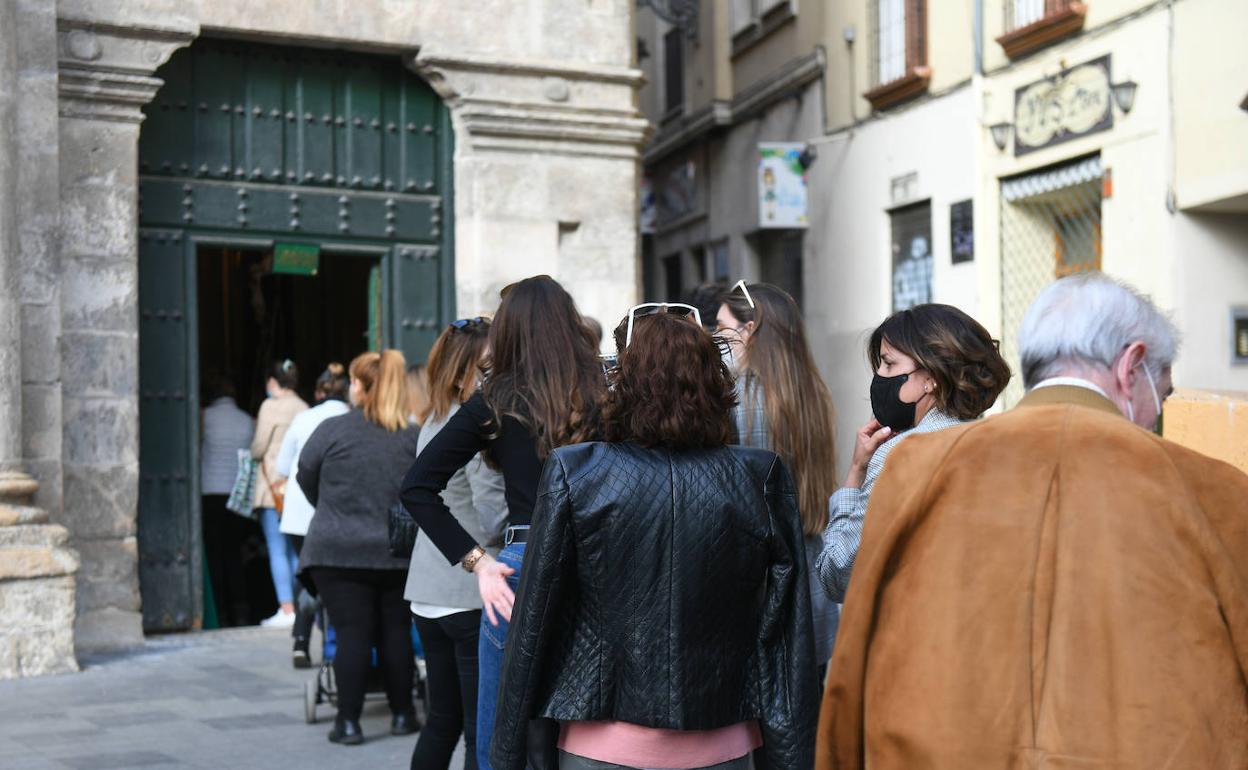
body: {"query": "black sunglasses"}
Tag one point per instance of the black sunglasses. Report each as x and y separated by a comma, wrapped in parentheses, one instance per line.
(464, 323)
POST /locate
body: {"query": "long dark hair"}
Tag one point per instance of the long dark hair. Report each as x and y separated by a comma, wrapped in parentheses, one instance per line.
(954, 348)
(543, 367)
(801, 420)
(671, 387)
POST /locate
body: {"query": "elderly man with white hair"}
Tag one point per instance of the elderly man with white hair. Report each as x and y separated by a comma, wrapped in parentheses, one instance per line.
(1053, 587)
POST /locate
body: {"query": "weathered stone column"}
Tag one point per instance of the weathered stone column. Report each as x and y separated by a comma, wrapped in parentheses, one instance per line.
(36, 573)
(107, 56)
(546, 176)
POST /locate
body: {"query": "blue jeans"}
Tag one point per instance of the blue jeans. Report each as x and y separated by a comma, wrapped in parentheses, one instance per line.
(283, 563)
(490, 660)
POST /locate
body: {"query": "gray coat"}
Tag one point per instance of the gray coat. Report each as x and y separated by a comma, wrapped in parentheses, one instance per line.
(350, 469)
(475, 497)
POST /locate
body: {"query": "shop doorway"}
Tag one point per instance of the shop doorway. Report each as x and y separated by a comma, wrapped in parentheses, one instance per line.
(249, 317)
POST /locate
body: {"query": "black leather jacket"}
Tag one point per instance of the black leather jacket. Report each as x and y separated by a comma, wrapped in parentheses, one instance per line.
(665, 589)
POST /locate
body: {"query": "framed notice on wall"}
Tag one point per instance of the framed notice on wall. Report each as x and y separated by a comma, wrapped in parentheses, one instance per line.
(962, 231)
(781, 185)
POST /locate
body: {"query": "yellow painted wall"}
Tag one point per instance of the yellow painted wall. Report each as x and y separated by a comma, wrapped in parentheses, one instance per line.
(1212, 423)
(1211, 79)
(950, 53)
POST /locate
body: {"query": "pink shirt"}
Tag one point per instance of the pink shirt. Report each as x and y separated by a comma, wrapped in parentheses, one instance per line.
(622, 743)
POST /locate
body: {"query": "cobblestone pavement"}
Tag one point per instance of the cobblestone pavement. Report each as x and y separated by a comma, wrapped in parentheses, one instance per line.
(216, 699)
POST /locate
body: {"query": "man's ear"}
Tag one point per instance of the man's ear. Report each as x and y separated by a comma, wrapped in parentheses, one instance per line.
(1128, 362)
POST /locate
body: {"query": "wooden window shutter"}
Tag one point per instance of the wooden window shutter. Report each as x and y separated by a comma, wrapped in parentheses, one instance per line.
(916, 34)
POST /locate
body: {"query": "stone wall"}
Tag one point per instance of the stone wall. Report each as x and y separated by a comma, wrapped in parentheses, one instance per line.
(547, 137)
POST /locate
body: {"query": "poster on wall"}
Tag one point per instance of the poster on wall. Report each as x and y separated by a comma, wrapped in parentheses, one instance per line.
(781, 185)
(962, 231)
(912, 255)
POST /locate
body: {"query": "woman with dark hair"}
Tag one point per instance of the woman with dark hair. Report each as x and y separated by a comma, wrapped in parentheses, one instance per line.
(543, 388)
(276, 413)
(331, 401)
(785, 406)
(663, 617)
(444, 599)
(350, 470)
(935, 367)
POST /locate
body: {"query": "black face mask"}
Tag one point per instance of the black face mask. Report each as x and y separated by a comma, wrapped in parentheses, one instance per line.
(887, 405)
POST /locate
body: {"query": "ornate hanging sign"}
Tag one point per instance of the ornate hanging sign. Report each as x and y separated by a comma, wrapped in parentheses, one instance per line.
(1074, 103)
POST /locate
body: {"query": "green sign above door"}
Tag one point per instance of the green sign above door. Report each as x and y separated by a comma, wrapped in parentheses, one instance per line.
(296, 258)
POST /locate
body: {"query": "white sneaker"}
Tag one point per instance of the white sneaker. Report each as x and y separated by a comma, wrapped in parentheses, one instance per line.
(279, 620)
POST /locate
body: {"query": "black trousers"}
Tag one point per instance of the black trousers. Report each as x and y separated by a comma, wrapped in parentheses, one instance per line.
(451, 664)
(224, 535)
(305, 605)
(366, 609)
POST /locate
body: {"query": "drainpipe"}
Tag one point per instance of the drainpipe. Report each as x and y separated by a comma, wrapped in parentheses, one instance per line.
(979, 37)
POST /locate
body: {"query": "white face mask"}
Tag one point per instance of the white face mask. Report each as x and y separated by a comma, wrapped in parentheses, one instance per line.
(1152, 384)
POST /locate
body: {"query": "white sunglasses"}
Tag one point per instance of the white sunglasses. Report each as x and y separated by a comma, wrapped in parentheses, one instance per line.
(744, 290)
(679, 308)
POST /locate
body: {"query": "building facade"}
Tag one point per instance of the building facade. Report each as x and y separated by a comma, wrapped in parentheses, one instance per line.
(149, 148)
(722, 81)
(970, 153)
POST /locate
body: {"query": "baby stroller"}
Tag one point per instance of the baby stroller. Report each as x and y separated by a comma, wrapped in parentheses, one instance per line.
(321, 688)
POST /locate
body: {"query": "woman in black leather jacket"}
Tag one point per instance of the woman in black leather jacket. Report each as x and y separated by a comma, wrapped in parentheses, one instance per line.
(662, 617)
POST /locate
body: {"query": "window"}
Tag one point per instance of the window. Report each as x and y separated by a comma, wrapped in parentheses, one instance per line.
(1033, 24)
(1077, 241)
(899, 62)
(1024, 12)
(891, 22)
(753, 20)
(912, 255)
(673, 70)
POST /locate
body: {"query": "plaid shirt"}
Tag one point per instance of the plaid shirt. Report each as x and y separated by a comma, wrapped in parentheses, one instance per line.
(848, 509)
(749, 414)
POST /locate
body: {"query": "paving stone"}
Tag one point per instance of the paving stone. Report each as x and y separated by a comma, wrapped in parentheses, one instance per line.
(119, 760)
(212, 700)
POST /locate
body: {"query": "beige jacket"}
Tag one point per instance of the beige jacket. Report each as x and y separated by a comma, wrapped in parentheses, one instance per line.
(271, 424)
(1048, 589)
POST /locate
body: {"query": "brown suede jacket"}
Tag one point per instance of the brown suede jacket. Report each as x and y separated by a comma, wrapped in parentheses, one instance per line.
(1049, 588)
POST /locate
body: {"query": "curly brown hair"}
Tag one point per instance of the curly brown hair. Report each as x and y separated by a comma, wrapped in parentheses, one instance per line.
(670, 388)
(954, 349)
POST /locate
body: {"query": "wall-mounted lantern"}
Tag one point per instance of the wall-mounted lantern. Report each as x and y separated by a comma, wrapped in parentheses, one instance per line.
(1124, 94)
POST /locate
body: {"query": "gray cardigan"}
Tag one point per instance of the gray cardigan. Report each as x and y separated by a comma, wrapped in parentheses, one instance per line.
(350, 469)
(475, 497)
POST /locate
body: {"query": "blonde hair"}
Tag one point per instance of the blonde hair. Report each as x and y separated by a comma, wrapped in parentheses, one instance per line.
(383, 385)
(418, 393)
(453, 366)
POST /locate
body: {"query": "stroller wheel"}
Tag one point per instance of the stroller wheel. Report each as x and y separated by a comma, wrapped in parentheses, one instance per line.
(311, 693)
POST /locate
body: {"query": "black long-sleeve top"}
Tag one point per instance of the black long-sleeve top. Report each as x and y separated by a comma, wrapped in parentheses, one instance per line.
(471, 430)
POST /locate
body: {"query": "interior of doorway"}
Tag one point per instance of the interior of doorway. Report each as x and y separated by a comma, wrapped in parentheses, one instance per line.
(249, 318)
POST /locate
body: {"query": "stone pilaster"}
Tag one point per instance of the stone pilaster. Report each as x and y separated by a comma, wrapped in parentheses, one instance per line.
(37, 586)
(106, 76)
(546, 164)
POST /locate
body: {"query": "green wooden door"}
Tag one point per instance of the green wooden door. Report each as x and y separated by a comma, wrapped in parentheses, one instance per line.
(251, 144)
(169, 554)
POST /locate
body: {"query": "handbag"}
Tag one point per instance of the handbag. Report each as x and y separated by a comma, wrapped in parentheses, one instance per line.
(278, 491)
(403, 531)
(244, 489)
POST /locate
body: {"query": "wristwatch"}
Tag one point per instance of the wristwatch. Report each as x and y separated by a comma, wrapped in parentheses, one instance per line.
(469, 562)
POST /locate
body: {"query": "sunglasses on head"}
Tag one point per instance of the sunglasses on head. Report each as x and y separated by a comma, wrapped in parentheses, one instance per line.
(464, 323)
(651, 308)
(744, 290)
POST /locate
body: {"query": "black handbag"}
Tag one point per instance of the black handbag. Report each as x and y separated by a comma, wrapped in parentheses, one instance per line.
(403, 531)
